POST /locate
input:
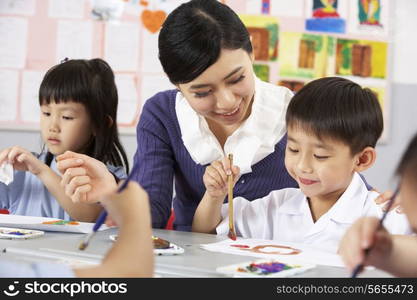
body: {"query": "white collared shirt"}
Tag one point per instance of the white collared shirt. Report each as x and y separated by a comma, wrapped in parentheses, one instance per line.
(284, 215)
(251, 142)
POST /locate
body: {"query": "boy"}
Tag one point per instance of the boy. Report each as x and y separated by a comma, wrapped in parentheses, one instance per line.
(392, 253)
(332, 126)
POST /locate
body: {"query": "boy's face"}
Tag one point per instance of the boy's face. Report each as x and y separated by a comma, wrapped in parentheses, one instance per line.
(323, 168)
(408, 196)
(65, 126)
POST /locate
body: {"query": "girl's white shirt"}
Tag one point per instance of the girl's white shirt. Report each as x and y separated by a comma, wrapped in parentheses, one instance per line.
(251, 142)
(284, 215)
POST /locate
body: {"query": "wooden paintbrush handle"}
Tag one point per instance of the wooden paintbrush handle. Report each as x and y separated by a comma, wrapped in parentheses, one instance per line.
(230, 194)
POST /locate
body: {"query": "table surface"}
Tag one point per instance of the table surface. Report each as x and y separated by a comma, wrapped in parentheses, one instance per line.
(194, 262)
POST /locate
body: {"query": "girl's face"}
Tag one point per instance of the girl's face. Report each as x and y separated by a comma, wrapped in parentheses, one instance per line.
(223, 93)
(409, 200)
(65, 126)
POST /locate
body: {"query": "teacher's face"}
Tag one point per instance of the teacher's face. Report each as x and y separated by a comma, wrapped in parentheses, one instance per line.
(223, 93)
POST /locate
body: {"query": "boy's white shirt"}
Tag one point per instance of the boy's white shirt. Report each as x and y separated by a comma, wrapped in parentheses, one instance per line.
(251, 142)
(284, 215)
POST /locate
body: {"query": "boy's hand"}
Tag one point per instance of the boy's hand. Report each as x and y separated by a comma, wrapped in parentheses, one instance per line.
(22, 160)
(215, 178)
(365, 234)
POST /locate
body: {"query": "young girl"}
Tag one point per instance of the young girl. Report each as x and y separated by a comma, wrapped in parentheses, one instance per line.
(78, 100)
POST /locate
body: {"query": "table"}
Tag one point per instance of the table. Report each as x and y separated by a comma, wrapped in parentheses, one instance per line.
(195, 262)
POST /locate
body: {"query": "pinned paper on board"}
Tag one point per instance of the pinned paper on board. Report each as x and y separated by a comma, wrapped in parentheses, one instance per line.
(361, 58)
(369, 17)
(325, 17)
(263, 31)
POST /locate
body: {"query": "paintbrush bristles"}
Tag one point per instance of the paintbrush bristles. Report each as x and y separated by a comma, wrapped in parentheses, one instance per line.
(86, 241)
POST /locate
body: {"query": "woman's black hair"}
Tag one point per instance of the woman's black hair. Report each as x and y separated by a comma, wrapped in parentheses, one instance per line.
(408, 163)
(91, 83)
(193, 36)
(338, 108)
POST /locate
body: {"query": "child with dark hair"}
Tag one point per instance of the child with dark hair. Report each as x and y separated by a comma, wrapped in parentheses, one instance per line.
(395, 254)
(78, 101)
(332, 125)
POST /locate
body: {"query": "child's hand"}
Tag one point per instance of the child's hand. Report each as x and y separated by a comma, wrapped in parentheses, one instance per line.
(385, 197)
(215, 178)
(22, 160)
(84, 178)
(365, 234)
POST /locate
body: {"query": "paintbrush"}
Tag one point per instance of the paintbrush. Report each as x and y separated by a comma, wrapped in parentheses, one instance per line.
(232, 233)
(102, 218)
(360, 266)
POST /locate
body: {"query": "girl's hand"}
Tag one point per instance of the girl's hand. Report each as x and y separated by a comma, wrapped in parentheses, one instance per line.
(385, 197)
(22, 160)
(215, 178)
(365, 234)
(84, 178)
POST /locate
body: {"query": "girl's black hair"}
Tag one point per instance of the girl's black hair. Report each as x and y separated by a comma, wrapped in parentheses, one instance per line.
(408, 163)
(91, 83)
(193, 36)
(338, 108)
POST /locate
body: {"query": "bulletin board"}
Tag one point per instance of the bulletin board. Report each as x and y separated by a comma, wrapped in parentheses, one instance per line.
(294, 41)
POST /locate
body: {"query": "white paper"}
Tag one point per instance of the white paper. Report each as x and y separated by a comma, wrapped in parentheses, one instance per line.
(354, 25)
(13, 37)
(254, 7)
(152, 84)
(293, 8)
(73, 9)
(122, 46)
(9, 81)
(150, 60)
(6, 173)
(308, 254)
(128, 98)
(29, 108)
(28, 222)
(18, 7)
(74, 40)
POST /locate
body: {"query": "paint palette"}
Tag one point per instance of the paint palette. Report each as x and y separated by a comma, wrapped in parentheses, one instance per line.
(17, 233)
(264, 269)
(161, 246)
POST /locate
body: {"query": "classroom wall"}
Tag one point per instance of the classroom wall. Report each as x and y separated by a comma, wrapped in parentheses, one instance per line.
(403, 123)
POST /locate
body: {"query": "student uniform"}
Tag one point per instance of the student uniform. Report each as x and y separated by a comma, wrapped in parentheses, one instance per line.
(27, 195)
(284, 215)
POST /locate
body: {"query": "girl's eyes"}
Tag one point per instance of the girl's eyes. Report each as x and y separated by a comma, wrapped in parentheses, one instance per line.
(47, 114)
(67, 118)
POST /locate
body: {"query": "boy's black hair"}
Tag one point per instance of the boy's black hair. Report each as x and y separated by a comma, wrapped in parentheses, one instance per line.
(408, 163)
(338, 108)
(193, 36)
(91, 83)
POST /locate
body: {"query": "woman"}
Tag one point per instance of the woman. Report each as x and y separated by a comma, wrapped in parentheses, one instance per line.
(219, 107)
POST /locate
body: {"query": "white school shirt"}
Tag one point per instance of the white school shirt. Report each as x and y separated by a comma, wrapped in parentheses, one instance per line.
(284, 215)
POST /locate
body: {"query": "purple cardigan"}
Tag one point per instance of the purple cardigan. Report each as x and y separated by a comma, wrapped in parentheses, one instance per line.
(163, 160)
